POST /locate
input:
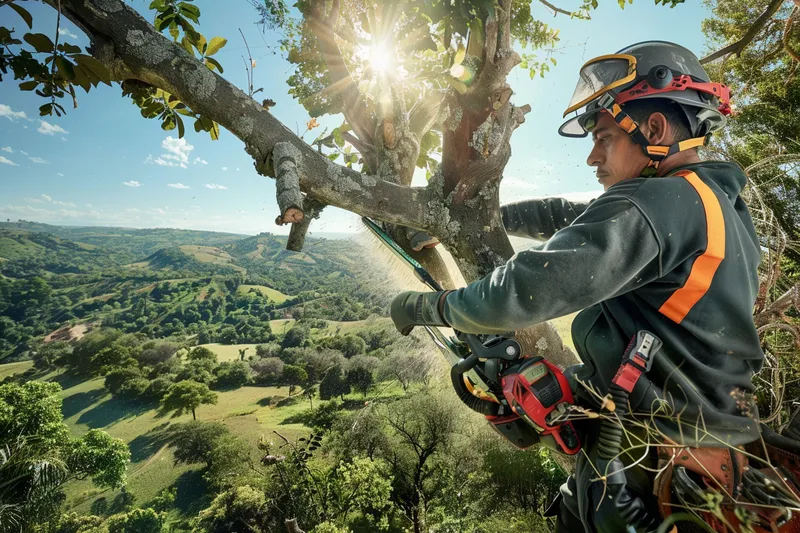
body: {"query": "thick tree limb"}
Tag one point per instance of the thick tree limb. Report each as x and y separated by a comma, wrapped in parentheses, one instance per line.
(285, 160)
(297, 234)
(131, 48)
(738, 46)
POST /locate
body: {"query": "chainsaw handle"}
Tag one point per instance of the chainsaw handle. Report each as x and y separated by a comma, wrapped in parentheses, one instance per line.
(484, 407)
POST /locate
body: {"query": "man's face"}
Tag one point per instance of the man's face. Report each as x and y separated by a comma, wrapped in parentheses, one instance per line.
(615, 154)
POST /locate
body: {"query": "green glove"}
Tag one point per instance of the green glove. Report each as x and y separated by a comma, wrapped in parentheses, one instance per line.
(411, 309)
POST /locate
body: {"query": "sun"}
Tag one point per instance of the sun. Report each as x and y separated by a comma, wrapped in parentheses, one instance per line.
(381, 58)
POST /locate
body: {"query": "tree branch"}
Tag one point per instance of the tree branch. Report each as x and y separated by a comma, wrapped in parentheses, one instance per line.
(738, 46)
(555, 9)
(131, 48)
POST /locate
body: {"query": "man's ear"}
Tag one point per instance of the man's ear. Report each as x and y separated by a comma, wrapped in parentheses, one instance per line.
(658, 130)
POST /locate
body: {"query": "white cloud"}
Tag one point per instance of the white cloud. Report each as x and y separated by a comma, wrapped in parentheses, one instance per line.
(89, 206)
(198, 161)
(224, 168)
(50, 129)
(7, 161)
(177, 155)
(10, 114)
(238, 169)
(60, 174)
(23, 152)
(65, 31)
(39, 160)
(132, 183)
(178, 186)
(49, 199)
(215, 186)
(8, 149)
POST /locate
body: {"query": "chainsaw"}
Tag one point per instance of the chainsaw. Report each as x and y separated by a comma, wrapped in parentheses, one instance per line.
(526, 399)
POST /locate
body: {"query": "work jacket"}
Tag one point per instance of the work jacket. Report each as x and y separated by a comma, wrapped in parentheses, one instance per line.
(674, 255)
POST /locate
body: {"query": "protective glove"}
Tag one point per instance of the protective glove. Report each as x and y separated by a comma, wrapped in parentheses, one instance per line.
(412, 308)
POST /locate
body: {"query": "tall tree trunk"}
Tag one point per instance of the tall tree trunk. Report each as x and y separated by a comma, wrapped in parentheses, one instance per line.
(194, 416)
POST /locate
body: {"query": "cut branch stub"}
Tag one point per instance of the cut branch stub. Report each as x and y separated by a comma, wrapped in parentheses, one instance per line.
(297, 235)
(285, 160)
(292, 527)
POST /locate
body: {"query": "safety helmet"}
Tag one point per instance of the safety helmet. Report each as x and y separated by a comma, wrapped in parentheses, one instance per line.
(651, 69)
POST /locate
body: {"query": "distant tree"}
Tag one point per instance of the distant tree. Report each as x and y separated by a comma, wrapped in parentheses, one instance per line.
(360, 379)
(118, 377)
(133, 389)
(267, 370)
(294, 376)
(406, 368)
(137, 521)
(296, 337)
(157, 389)
(308, 393)
(317, 363)
(233, 374)
(194, 441)
(333, 384)
(154, 352)
(242, 353)
(270, 349)
(199, 370)
(187, 396)
(202, 353)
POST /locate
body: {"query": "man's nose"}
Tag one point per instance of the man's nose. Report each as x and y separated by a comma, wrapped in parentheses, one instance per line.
(595, 158)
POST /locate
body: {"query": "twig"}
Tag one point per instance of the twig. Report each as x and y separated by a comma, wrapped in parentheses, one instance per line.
(738, 46)
(248, 66)
(556, 9)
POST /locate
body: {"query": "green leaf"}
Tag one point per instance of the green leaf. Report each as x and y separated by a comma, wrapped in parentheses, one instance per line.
(211, 62)
(460, 55)
(28, 85)
(68, 48)
(65, 68)
(215, 45)
(553, 61)
(39, 41)
(22, 12)
(200, 43)
(81, 79)
(45, 110)
(214, 131)
(333, 157)
(181, 128)
(163, 21)
(97, 68)
(187, 45)
(174, 31)
(353, 158)
(337, 138)
(190, 11)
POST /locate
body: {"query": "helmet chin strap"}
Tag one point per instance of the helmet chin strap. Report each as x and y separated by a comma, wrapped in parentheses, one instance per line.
(656, 153)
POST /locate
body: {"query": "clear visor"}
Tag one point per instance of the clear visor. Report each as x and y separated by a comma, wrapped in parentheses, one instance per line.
(601, 75)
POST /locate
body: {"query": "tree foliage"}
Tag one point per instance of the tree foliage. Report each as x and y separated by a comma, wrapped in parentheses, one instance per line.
(187, 396)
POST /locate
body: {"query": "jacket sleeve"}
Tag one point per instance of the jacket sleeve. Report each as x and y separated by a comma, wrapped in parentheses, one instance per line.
(540, 218)
(609, 250)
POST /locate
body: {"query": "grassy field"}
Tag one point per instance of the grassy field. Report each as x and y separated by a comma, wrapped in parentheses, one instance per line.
(10, 369)
(87, 405)
(230, 352)
(276, 296)
(210, 254)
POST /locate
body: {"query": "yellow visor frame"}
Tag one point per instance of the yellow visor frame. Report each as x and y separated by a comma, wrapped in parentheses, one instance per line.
(592, 82)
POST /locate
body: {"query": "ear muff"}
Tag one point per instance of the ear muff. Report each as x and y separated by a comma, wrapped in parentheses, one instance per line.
(659, 77)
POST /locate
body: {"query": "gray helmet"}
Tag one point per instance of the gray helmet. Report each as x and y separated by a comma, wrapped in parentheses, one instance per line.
(659, 69)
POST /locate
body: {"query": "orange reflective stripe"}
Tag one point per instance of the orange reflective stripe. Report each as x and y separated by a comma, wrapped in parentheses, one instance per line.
(658, 150)
(682, 300)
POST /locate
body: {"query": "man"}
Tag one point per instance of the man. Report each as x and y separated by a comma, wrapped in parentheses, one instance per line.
(669, 247)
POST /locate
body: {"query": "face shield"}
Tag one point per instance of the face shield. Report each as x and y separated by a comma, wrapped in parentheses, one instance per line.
(597, 77)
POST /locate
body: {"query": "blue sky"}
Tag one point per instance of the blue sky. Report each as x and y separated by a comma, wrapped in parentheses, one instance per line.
(103, 164)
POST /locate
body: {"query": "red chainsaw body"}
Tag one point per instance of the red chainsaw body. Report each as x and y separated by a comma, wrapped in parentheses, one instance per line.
(538, 392)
